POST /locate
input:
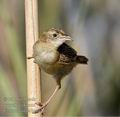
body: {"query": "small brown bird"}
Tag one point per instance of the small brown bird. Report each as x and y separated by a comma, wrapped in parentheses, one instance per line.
(55, 57)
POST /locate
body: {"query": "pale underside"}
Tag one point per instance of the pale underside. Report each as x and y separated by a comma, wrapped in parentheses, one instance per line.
(53, 62)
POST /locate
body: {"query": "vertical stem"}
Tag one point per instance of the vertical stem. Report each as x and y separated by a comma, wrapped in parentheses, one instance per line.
(33, 72)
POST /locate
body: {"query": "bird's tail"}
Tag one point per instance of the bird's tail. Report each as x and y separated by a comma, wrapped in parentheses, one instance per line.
(81, 59)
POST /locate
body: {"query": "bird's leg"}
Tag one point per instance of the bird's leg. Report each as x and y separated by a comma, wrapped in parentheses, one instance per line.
(55, 91)
(42, 106)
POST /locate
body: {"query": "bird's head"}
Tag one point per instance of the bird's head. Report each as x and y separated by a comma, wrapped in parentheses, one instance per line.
(55, 37)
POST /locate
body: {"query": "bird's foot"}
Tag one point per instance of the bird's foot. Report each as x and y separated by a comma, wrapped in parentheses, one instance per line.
(39, 108)
(30, 57)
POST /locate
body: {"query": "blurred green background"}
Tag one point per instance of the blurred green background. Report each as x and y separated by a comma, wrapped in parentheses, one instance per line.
(90, 90)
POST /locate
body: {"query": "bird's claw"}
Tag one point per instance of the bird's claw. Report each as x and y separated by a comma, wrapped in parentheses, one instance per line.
(40, 108)
(30, 57)
(39, 104)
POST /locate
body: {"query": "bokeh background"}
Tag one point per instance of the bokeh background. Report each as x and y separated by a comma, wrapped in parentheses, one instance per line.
(90, 90)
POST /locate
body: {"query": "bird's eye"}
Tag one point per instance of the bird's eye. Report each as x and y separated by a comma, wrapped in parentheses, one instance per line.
(54, 35)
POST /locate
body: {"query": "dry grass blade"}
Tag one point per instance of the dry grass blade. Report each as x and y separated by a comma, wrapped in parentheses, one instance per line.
(33, 74)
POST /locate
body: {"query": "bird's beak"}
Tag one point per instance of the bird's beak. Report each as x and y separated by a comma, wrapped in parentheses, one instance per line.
(66, 38)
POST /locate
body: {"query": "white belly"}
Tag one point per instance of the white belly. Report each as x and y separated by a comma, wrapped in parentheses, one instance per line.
(46, 57)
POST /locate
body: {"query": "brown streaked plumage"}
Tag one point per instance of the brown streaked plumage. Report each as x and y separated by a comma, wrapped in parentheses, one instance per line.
(55, 57)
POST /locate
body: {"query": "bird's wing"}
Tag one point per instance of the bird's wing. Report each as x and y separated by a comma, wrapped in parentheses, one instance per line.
(67, 54)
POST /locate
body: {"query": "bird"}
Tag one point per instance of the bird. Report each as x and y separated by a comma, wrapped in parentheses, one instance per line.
(54, 56)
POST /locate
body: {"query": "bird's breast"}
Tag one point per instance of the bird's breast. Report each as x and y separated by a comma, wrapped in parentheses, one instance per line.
(49, 57)
(45, 57)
